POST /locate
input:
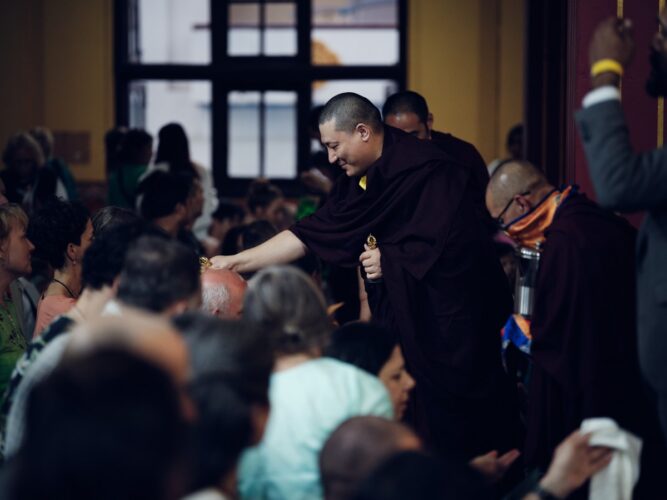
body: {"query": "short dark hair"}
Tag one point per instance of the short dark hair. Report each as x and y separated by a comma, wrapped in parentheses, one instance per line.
(53, 226)
(261, 194)
(227, 210)
(231, 372)
(132, 143)
(162, 191)
(105, 425)
(406, 102)
(363, 345)
(256, 233)
(109, 217)
(348, 110)
(157, 273)
(104, 259)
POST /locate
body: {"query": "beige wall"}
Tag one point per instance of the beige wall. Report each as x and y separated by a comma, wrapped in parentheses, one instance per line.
(466, 58)
(57, 71)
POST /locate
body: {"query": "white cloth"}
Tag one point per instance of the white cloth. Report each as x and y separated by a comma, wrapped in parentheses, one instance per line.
(601, 94)
(617, 480)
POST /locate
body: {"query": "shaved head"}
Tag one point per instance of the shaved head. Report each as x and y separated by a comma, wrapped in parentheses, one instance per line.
(357, 447)
(222, 293)
(348, 110)
(510, 179)
(406, 102)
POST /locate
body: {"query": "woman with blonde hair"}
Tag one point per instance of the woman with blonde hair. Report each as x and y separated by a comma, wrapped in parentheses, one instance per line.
(15, 252)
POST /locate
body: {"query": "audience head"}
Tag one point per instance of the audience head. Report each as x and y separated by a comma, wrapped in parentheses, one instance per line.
(44, 138)
(286, 305)
(15, 247)
(375, 350)
(104, 259)
(351, 130)
(226, 216)
(165, 195)
(514, 189)
(408, 111)
(256, 233)
(104, 425)
(230, 383)
(173, 148)
(109, 217)
(136, 147)
(160, 276)
(222, 293)
(356, 448)
(112, 143)
(264, 200)
(61, 232)
(22, 157)
(414, 474)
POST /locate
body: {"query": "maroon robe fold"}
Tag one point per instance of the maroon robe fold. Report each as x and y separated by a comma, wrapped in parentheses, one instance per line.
(584, 347)
(466, 154)
(445, 294)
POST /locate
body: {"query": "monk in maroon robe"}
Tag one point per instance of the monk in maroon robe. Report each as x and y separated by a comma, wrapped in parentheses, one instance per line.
(444, 292)
(584, 342)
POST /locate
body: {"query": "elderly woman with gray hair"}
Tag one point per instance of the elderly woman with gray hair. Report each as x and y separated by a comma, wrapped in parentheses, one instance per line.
(309, 395)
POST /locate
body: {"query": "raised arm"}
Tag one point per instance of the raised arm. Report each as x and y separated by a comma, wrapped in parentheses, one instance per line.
(283, 248)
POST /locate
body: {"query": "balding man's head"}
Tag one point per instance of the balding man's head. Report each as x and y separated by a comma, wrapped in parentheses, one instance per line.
(357, 447)
(514, 188)
(222, 293)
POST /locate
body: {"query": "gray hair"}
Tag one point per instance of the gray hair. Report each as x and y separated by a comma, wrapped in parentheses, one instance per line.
(215, 297)
(287, 307)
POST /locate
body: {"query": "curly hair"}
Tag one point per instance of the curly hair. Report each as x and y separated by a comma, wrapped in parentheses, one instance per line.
(55, 225)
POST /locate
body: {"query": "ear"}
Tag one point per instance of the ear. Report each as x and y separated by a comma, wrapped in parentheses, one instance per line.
(364, 131)
(72, 252)
(523, 202)
(429, 122)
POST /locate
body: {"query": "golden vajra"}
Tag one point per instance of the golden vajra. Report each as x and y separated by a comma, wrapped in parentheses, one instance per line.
(372, 242)
(204, 264)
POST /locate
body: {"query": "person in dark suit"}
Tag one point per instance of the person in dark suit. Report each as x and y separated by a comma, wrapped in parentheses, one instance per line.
(627, 181)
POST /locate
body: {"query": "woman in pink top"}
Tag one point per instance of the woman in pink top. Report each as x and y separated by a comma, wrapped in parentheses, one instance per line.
(61, 232)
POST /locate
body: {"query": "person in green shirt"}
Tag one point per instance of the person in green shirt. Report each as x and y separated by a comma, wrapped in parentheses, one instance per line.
(15, 261)
(134, 155)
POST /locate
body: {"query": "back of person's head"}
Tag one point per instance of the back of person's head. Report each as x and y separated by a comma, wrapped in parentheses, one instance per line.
(256, 233)
(350, 109)
(159, 274)
(261, 194)
(286, 306)
(54, 226)
(406, 102)
(222, 293)
(162, 192)
(228, 211)
(173, 148)
(112, 144)
(106, 425)
(110, 217)
(412, 474)
(514, 141)
(104, 259)
(365, 345)
(356, 448)
(44, 138)
(230, 381)
(136, 147)
(23, 142)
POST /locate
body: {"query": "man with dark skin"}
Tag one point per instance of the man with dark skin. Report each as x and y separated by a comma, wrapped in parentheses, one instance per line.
(446, 296)
(628, 182)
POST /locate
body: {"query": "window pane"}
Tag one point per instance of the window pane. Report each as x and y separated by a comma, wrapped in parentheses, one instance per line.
(155, 103)
(280, 135)
(353, 32)
(243, 127)
(376, 91)
(280, 32)
(243, 33)
(170, 31)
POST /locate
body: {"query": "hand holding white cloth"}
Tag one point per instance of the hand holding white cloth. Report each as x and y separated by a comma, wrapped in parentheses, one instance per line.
(617, 480)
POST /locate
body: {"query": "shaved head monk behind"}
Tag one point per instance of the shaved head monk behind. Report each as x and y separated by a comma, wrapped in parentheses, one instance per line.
(222, 293)
(584, 341)
(443, 292)
(408, 111)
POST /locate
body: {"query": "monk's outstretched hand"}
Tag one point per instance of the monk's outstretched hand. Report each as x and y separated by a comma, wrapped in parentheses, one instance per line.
(370, 259)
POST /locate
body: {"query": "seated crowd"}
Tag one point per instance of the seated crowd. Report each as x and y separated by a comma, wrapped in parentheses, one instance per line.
(132, 365)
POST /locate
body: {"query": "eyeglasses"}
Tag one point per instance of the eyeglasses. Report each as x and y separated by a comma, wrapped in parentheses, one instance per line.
(499, 219)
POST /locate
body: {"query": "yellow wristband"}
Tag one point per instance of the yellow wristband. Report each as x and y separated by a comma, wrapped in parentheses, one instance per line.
(606, 66)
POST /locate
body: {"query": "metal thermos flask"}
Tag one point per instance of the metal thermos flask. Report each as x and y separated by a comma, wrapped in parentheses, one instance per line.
(527, 265)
